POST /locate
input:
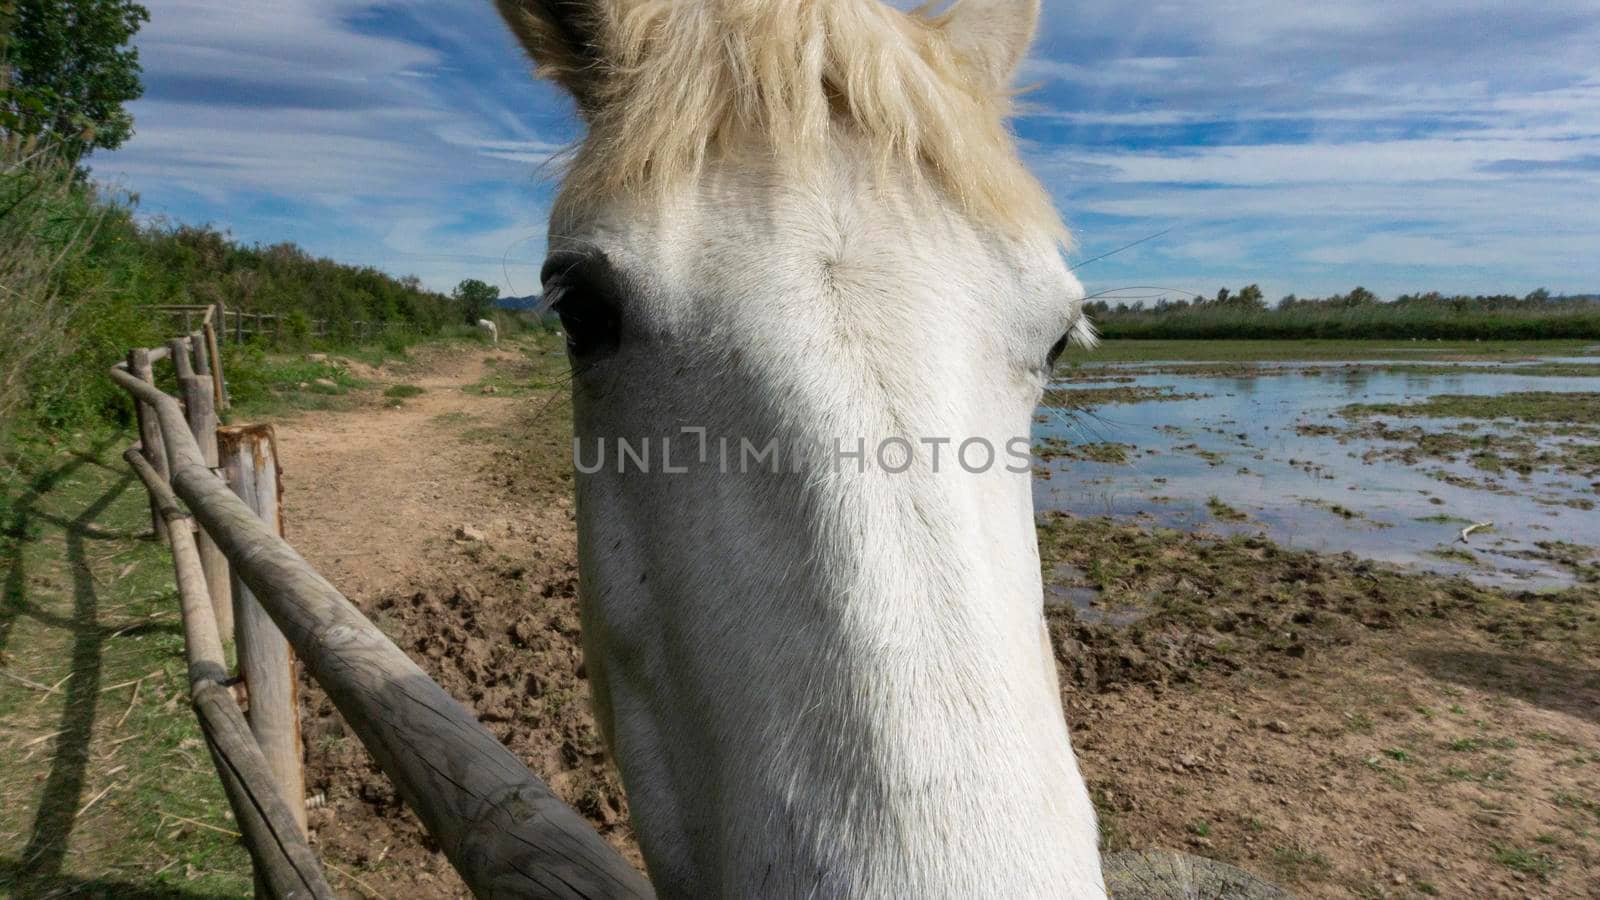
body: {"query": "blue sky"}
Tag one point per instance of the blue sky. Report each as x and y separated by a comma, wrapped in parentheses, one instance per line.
(1453, 144)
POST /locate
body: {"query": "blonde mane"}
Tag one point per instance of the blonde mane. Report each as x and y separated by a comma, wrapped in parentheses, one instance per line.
(670, 85)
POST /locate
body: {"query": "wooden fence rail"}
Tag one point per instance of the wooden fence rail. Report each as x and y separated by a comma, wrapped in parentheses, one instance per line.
(238, 325)
(502, 828)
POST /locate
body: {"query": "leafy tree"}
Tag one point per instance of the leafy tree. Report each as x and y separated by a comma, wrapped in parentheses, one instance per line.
(66, 69)
(475, 299)
(1250, 296)
(1360, 296)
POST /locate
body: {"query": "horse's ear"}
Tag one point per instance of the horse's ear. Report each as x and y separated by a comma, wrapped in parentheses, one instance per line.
(565, 38)
(993, 36)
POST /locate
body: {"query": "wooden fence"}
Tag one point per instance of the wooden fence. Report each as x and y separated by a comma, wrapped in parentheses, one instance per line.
(238, 326)
(501, 827)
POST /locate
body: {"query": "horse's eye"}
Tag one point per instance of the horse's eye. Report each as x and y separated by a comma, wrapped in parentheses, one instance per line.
(582, 289)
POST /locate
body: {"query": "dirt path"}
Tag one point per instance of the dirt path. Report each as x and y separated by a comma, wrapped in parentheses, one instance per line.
(371, 493)
(446, 516)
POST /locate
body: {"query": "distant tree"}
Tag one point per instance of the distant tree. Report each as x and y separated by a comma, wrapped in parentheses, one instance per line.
(1539, 295)
(1250, 296)
(66, 69)
(1360, 296)
(1222, 296)
(475, 299)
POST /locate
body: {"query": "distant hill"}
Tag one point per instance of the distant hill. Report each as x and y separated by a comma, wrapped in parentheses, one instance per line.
(531, 301)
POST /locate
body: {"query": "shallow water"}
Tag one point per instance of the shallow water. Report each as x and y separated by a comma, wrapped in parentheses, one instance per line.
(1238, 443)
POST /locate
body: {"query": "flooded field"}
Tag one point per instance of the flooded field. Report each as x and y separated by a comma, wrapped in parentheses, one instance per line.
(1388, 459)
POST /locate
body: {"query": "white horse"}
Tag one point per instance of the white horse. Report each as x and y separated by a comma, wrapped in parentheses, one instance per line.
(490, 330)
(803, 224)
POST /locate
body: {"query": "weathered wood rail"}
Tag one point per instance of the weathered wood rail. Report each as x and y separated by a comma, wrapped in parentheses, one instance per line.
(501, 827)
(238, 326)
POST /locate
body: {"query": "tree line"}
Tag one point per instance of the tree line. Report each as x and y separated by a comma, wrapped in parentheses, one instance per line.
(1359, 314)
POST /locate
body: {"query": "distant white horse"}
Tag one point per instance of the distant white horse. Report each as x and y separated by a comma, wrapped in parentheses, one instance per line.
(490, 329)
(803, 223)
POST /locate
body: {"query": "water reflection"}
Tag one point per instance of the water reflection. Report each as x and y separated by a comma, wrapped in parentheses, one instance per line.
(1238, 443)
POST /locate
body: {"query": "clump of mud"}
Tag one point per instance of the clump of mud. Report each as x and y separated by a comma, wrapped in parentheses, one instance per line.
(506, 645)
(1223, 605)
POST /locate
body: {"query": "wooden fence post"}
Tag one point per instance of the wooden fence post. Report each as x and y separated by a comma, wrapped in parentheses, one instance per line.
(200, 410)
(207, 363)
(214, 353)
(238, 326)
(150, 442)
(283, 861)
(250, 461)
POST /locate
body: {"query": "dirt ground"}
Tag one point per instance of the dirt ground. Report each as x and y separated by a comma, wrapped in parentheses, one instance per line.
(1398, 758)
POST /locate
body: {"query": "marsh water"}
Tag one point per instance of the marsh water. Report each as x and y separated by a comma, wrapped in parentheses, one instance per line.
(1242, 454)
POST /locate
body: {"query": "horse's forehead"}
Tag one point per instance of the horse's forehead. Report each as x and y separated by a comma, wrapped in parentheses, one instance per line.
(736, 224)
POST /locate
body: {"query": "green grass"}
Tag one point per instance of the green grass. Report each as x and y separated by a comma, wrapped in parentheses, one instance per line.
(1117, 349)
(262, 384)
(1528, 862)
(1526, 406)
(100, 776)
(1465, 318)
(403, 391)
(1300, 863)
(1223, 511)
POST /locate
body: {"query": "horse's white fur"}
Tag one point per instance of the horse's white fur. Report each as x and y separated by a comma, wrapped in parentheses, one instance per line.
(826, 683)
(492, 330)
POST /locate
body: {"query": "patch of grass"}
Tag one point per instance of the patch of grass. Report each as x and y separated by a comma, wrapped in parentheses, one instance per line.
(1100, 452)
(1083, 398)
(1113, 836)
(263, 385)
(1442, 519)
(1358, 723)
(1224, 512)
(1454, 554)
(1529, 862)
(403, 391)
(1524, 406)
(1298, 862)
(479, 434)
(101, 773)
(1199, 828)
(1567, 800)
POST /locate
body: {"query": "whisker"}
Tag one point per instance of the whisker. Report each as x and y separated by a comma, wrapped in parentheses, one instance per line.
(1091, 259)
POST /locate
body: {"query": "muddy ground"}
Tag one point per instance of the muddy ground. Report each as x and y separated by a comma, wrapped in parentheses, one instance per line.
(1324, 722)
